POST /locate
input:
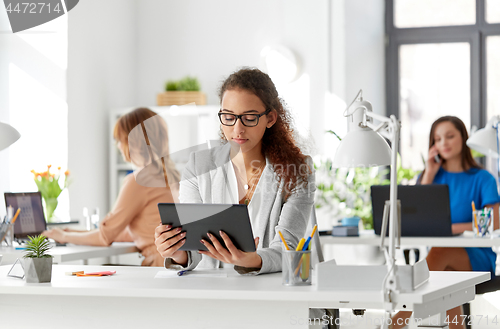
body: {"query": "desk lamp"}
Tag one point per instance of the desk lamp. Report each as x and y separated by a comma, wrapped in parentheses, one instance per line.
(364, 146)
(485, 140)
(8, 135)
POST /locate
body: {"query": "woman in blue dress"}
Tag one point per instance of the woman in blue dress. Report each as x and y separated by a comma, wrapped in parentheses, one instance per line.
(450, 162)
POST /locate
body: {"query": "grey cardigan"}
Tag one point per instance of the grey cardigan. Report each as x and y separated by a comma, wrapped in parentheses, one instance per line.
(205, 180)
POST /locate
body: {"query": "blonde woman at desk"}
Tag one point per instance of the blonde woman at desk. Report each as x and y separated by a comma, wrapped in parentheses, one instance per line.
(450, 162)
(135, 213)
(264, 168)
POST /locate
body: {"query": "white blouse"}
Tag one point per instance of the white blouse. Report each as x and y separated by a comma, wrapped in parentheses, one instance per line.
(254, 207)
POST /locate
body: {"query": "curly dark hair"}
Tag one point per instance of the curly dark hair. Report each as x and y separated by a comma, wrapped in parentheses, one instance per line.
(278, 143)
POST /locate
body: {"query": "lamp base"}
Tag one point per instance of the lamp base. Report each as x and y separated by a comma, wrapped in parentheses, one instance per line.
(331, 276)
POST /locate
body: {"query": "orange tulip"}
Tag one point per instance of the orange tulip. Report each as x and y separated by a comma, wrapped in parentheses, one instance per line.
(58, 168)
(66, 173)
(48, 166)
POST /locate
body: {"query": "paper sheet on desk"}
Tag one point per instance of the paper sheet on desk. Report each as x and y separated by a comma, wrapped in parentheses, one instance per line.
(165, 274)
(467, 234)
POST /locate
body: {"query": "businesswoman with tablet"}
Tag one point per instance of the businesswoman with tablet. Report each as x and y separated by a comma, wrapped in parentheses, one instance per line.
(259, 165)
(135, 214)
(450, 162)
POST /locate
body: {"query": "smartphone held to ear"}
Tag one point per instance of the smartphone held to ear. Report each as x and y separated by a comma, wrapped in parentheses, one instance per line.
(437, 158)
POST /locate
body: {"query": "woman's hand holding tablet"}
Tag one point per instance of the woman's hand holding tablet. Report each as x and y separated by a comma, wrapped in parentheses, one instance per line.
(231, 254)
(168, 240)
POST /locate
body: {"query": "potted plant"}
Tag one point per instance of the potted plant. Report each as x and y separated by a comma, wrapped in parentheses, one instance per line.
(37, 261)
(181, 92)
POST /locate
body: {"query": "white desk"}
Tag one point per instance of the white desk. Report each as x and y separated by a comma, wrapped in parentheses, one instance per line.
(73, 252)
(369, 238)
(133, 298)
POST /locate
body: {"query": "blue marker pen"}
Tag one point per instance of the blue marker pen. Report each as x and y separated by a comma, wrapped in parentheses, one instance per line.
(180, 273)
(306, 245)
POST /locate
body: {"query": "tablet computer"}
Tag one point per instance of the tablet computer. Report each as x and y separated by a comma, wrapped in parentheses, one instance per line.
(198, 219)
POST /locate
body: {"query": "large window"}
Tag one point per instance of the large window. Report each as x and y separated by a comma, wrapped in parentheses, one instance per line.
(426, 13)
(441, 59)
(33, 67)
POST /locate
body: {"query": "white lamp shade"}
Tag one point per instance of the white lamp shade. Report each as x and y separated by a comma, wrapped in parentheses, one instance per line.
(8, 135)
(484, 141)
(362, 148)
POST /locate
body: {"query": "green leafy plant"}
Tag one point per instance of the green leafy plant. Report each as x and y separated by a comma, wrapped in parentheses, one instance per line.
(476, 154)
(37, 247)
(187, 83)
(346, 192)
(172, 85)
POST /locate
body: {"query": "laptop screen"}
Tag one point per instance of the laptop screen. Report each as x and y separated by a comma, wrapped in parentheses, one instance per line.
(425, 209)
(31, 220)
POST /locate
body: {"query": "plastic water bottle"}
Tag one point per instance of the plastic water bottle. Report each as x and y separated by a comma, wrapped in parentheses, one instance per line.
(86, 218)
(95, 218)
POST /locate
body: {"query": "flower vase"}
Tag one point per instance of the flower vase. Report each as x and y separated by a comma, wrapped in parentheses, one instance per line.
(50, 207)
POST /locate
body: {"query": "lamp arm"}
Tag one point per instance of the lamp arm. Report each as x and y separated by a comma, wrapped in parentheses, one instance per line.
(494, 121)
(384, 128)
(378, 117)
(391, 284)
(390, 129)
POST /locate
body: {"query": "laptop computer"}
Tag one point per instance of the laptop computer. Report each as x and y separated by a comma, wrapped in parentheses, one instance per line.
(196, 219)
(425, 209)
(31, 220)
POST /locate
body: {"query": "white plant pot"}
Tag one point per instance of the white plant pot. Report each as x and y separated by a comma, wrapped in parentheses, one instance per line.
(37, 270)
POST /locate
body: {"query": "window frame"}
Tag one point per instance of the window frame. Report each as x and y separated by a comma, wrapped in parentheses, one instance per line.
(475, 35)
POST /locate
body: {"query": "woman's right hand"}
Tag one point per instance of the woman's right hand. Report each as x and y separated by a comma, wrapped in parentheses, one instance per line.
(432, 166)
(168, 240)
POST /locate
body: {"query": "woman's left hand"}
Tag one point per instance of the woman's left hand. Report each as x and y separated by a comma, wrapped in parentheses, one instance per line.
(57, 234)
(231, 254)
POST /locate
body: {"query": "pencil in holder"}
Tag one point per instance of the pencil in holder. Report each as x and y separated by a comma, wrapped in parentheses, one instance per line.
(7, 233)
(482, 223)
(296, 269)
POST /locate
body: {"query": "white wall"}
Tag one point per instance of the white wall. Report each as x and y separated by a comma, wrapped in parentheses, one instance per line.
(122, 54)
(365, 51)
(4, 102)
(101, 76)
(357, 62)
(211, 39)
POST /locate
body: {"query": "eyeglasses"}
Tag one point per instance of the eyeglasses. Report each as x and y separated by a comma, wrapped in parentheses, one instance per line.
(248, 120)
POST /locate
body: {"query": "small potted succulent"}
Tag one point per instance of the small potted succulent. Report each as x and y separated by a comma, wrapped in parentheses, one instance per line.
(37, 261)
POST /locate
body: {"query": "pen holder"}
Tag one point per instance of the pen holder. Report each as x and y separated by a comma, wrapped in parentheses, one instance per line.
(7, 233)
(482, 223)
(296, 269)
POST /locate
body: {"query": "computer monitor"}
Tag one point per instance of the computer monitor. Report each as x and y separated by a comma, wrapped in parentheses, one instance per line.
(31, 220)
(425, 209)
